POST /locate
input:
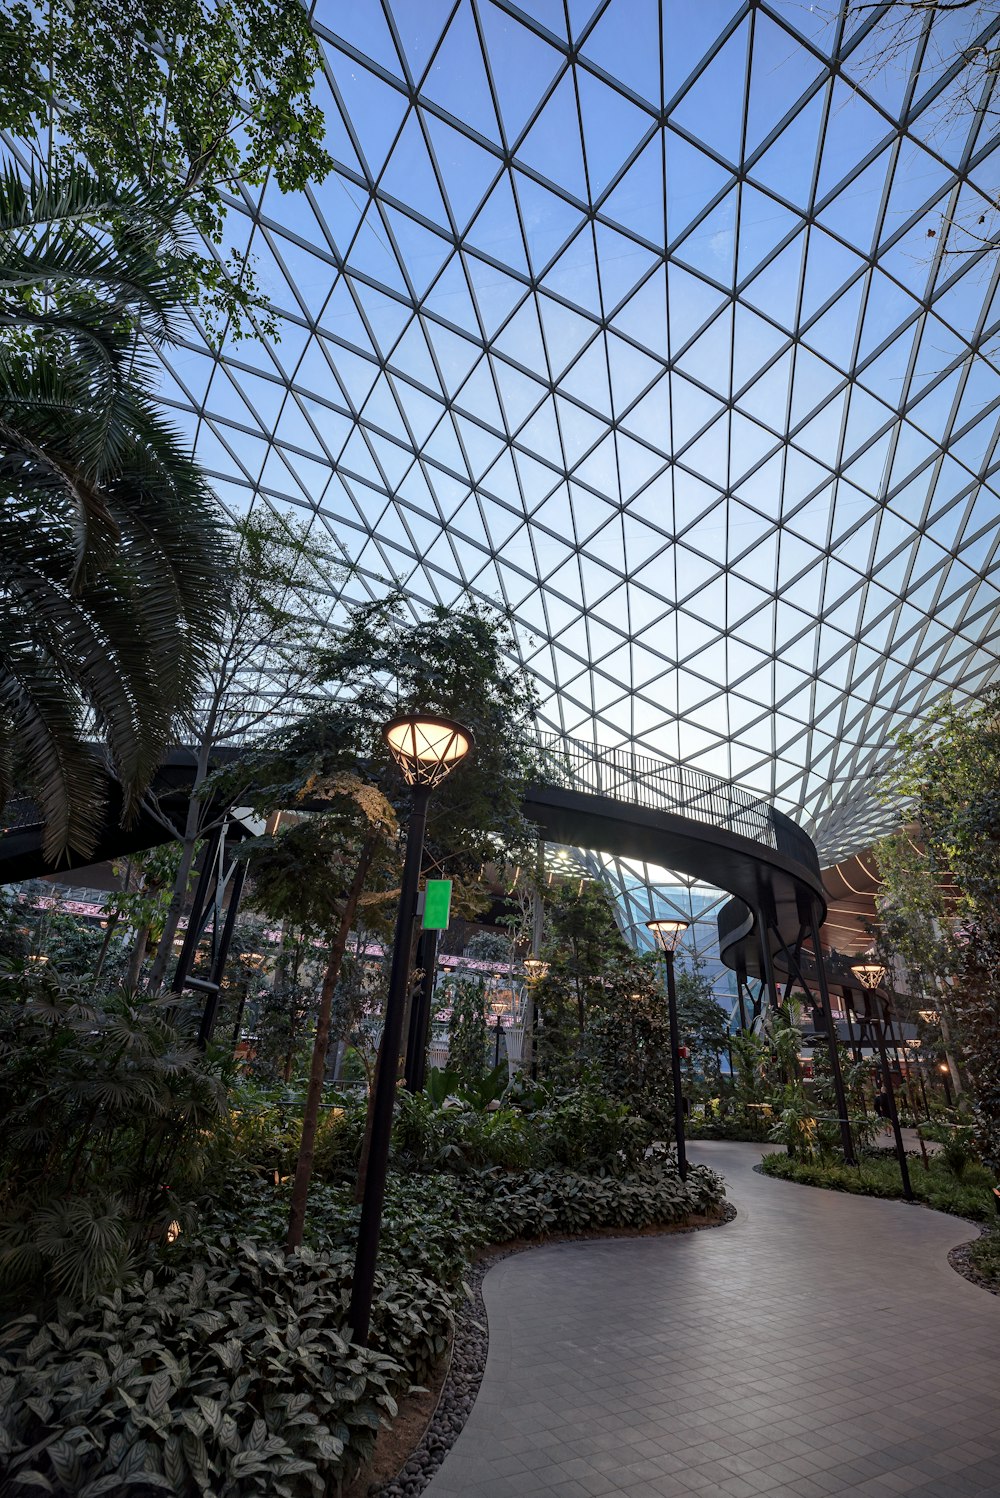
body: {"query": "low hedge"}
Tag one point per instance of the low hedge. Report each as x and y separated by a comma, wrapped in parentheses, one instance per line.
(937, 1187)
(228, 1373)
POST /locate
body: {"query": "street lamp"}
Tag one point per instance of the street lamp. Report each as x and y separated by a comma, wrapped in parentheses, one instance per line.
(498, 1006)
(871, 976)
(535, 969)
(667, 935)
(426, 748)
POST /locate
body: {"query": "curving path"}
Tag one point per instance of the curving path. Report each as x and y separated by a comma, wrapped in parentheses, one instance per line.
(820, 1344)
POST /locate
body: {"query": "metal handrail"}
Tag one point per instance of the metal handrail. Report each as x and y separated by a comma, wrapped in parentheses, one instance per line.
(657, 785)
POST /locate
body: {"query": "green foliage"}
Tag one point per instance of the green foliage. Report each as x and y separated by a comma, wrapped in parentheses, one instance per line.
(187, 98)
(958, 1149)
(226, 1369)
(468, 1035)
(796, 1127)
(232, 1376)
(704, 1028)
(431, 1138)
(879, 1176)
(602, 1010)
(984, 1256)
(111, 550)
(104, 1110)
(949, 771)
(280, 1022)
(454, 662)
(70, 943)
(583, 1130)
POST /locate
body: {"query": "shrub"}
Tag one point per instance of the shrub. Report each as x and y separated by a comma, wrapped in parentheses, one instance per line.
(232, 1378)
(984, 1255)
(107, 1112)
(229, 1373)
(957, 1142)
(583, 1130)
(562, 1201)
(936, 1187)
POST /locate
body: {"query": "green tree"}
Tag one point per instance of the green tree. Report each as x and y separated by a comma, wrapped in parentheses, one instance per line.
(188, 99)
(105, 1116)
(703, 1025)
(465, 995)
(602, 1009)
(259, 676)
(112, 553)
(455, 662)
(582, 946)
(948, 771)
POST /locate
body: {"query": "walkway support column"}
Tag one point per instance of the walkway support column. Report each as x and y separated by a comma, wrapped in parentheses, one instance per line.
(846, 1140)
(766, 959)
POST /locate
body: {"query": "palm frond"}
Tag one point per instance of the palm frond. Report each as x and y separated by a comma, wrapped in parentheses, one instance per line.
(42, 713)
(112, 558)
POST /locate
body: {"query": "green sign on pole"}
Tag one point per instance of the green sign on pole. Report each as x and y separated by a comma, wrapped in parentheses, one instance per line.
(437, 905)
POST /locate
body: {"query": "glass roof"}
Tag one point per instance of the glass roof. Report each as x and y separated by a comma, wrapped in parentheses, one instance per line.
(672, 327)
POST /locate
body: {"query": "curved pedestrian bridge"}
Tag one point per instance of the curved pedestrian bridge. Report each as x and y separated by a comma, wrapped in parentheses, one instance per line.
(627, 805)
(613, 800)
(818, 1345)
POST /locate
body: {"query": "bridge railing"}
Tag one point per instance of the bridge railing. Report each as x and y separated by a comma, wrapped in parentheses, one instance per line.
(657, 784)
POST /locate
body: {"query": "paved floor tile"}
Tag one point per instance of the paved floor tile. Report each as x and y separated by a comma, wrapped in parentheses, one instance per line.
(818, 1345)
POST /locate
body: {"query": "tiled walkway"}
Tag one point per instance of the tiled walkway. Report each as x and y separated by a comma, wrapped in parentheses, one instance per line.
(820, 1344)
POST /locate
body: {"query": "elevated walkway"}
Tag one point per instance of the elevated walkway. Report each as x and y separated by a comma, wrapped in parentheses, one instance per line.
(612, 800)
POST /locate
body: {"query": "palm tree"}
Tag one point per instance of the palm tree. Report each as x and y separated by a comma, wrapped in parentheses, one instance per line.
(112, 551)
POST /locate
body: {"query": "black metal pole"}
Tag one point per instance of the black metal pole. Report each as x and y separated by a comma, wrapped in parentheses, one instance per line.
(534, 1039)
(923, 1090)
(904, 1169)
(239, 1015)
(946, 1079)
(370, 1227)
(198, 915)
(211, 1009)
(496, 1052)
(766, 960)
(415, 1068)
(675, 1066)
(847, 1143)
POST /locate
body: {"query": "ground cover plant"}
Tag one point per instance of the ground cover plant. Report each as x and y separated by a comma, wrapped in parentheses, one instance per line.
(984, 1259)
(218, 1364)
(968, 1195)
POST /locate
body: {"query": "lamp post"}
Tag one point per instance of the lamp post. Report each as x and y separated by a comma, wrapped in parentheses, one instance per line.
(498, 1006)
(914, 1047)
(426, 749)
(945, 1071)
(534, 969)
(871, 976)
(667, 935)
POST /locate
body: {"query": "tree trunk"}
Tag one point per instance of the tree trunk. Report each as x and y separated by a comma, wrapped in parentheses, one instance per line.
(314, 1096)
(192, 832)
(102, 955)
(136, 959)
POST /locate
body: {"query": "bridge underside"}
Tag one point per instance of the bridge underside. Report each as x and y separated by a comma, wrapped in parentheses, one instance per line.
(773, 889)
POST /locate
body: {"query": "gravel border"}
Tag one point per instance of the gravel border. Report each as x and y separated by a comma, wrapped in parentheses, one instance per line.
(960, 1260)
(470, 1345)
